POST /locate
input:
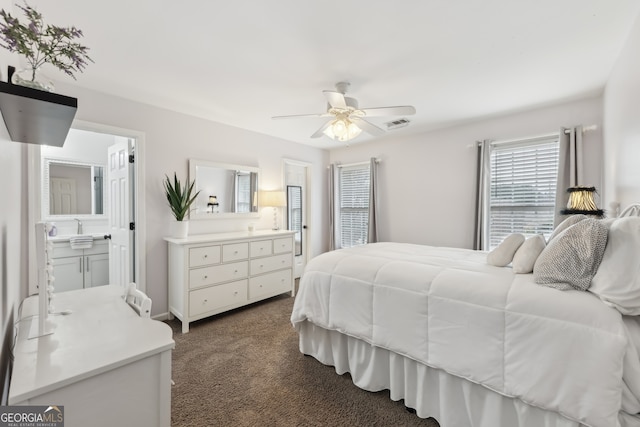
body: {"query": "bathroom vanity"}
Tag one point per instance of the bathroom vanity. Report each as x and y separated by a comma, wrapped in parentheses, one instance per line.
(79, 268)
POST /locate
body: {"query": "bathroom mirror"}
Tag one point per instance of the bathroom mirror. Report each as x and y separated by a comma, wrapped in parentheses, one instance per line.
(226, 190)
(71, 188)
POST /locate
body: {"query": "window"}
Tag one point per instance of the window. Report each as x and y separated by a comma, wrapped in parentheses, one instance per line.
(522, 188)
(353, 205)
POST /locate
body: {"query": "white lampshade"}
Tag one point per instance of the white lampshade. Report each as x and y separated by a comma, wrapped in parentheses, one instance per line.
(273, 199)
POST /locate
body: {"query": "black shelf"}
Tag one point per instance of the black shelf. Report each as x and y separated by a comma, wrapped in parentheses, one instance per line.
(35, 116)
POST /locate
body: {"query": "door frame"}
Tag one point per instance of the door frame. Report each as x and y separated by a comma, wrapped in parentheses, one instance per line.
(307, 203)
(35, 197)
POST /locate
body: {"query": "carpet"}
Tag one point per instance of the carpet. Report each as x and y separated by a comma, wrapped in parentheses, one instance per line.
(243, 368)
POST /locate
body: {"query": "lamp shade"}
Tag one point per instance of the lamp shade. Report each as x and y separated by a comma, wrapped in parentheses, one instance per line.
(581, 201)
(273, 199)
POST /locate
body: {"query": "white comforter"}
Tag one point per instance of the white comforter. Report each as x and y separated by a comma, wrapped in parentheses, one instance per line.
(563, 351)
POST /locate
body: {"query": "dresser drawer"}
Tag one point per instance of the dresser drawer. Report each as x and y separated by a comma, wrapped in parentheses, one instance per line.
(261, 248)
(235, 252)
(282, 245)
(271, 283)
(265, 265)
(206, 255)
(99, 247)
(199, 277)
(217, 297)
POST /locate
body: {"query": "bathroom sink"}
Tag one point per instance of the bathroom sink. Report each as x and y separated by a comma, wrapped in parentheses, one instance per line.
(81, 242)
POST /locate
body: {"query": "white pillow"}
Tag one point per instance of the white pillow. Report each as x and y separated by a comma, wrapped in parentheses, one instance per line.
(571, 220)
(617, 281)
(503, 254)
(572, 258)
(527, 254)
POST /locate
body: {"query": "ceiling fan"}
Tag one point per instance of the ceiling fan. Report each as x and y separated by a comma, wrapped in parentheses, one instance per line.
(345, 120)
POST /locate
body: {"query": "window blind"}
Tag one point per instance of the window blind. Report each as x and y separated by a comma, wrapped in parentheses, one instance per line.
(522, 188)
(354, 205)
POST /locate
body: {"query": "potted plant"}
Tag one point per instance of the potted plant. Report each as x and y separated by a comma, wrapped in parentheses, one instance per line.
(180, 199)
(40, 44)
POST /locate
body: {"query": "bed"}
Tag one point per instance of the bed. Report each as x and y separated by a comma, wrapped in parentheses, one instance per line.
(473, 344)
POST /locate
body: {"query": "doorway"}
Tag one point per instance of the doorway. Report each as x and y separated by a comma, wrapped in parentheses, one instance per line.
(130, 263)
(296, 182)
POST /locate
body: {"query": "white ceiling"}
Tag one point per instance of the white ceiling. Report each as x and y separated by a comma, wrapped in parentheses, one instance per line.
(240, 62)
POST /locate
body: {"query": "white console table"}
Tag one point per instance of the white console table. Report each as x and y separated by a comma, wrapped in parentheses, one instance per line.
(106, 365)
(213, 273)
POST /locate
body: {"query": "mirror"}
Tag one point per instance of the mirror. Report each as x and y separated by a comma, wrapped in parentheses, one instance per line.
(294, 215)
(72, 188)
(226, 190)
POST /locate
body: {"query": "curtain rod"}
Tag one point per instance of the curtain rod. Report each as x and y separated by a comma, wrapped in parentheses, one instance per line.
(584, 129)
(356, 164)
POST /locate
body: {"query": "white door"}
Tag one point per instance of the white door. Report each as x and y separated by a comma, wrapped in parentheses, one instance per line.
(295, 181)
(118, 178)
(63, 196)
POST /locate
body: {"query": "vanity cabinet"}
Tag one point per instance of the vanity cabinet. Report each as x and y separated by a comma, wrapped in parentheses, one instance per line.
(213, 273)
(80, 268)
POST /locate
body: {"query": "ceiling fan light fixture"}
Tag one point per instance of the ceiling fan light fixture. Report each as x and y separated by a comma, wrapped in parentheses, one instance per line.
(342, 129)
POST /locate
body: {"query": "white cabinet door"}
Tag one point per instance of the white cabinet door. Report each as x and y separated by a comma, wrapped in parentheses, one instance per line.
(68, 273)
(96, 270)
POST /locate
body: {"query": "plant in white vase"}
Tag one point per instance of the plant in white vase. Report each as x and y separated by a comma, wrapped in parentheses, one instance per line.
(41, 44)
(180, 199)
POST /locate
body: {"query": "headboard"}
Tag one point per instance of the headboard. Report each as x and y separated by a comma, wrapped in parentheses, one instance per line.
(631, 210)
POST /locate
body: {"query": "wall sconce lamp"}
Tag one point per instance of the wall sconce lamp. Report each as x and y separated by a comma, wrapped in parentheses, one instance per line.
(581, 201)
(274, 199)
(213, 204)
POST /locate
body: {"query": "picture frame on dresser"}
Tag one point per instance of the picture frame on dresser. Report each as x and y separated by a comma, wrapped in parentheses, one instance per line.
(213, 273)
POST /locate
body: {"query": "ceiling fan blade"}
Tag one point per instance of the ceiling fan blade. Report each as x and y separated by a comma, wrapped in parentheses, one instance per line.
(335, 99)
(320, 131)
(404, 110)
(301, 116)
(367, 127)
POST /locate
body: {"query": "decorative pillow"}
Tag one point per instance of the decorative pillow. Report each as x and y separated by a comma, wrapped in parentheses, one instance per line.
(571, 220)
(527, 254)
(572, 258)
(503, 254)
(617, 281)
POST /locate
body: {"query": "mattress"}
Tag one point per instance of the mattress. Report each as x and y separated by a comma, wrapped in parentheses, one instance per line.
(562, 351)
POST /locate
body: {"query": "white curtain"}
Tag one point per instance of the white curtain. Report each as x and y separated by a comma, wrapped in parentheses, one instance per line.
(332, 207)
(570, 172)
(481, 240)
(372, 232)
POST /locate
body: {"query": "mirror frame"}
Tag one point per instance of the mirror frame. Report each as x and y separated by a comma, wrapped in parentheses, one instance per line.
(46, 213)
(194, 163)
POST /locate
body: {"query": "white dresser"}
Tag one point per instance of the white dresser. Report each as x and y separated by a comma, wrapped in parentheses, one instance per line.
(213, 273)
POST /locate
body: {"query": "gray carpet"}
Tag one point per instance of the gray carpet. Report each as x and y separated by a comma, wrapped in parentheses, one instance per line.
(243, 368)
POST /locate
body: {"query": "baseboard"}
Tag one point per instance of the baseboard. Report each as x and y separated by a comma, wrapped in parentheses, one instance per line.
(161, 316)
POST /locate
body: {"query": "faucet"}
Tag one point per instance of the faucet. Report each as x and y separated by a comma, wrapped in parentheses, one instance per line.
(79, 226)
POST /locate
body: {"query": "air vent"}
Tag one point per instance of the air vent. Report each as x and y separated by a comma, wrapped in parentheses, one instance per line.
(395, 124)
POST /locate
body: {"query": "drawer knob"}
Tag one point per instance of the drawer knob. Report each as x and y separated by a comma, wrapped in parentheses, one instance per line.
(235, 271)
(235, 252)
(206, 277)
(235, 293)
(260, 285)
(204, 301)
(205, 255)
(261, 265)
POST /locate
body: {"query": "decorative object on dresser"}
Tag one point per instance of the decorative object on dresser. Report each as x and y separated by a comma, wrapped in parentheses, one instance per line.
(213, 273)
(180, 200)
(275, 200)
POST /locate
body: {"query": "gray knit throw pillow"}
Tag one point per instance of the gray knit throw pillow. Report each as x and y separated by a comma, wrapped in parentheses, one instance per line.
(572, 258)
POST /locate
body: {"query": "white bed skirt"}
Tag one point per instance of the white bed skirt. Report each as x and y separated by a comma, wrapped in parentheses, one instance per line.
(451, 400)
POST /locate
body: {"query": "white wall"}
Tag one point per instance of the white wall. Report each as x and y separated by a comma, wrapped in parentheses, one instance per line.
(622, 125)
(427, 181)
(170, 140)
